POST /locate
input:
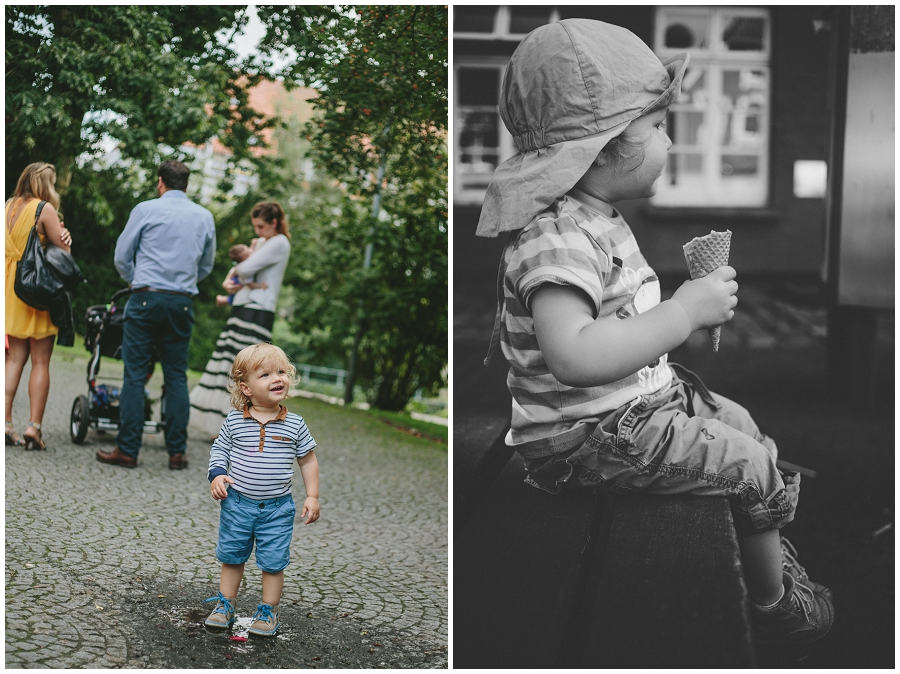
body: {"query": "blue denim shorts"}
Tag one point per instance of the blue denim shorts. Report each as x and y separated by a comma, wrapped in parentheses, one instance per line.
(681, 440)
(270, 523)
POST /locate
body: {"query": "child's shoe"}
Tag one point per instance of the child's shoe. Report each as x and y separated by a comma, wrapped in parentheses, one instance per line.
(791, 566)
(223, 614)
(802, 616)
(265, 621)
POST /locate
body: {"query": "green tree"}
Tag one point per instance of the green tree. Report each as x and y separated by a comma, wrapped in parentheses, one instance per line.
(381, 73)
(148, 79)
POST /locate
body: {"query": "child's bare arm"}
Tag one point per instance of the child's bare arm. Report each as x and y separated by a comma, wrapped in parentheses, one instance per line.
(581, 351)
(309, 469)
(254, 285)
(229, 285)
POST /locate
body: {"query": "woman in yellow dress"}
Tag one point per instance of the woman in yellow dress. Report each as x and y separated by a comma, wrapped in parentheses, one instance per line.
(29, 331)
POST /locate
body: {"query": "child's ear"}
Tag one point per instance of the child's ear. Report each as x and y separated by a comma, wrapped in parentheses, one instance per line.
(244, 388)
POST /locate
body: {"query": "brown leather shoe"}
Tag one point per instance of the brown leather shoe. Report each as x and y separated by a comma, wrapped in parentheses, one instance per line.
(177, 461)
(118, 458)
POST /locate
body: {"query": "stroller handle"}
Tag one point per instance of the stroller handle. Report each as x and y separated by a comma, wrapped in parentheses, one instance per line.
(121, 293)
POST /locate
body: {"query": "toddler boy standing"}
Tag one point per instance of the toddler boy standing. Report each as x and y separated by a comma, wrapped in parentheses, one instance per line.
(250, 469)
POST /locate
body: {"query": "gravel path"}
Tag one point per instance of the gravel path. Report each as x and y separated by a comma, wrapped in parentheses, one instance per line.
(107, 567)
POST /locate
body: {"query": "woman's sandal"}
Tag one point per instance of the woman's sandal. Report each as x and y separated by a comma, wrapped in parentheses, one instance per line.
(12, 438)
(32, 442)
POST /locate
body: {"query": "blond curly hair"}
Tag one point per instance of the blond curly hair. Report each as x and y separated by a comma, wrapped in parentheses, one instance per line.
(250, 359)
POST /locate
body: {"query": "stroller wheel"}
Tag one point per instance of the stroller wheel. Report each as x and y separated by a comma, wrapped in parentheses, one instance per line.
(80, 420)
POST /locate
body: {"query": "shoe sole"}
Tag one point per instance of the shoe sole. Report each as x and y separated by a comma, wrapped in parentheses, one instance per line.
(263, 634)
(220, 625)
(117, 463)
(788, 644)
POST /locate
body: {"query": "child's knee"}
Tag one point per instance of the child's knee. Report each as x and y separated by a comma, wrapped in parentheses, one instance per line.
(754, 511)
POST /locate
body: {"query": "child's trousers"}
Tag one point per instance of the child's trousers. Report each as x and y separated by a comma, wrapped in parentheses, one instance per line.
(682, 440)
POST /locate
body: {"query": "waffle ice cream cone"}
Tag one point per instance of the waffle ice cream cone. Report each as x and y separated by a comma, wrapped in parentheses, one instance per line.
(704, 254)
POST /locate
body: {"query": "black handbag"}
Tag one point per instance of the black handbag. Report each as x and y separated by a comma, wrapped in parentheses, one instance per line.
(43, 276)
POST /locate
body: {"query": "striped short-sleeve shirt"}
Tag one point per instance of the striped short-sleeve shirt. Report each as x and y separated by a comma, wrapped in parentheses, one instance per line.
(260, 457)
(572, 244)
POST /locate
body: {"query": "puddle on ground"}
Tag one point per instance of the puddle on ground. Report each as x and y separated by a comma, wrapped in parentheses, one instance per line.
(237, 636)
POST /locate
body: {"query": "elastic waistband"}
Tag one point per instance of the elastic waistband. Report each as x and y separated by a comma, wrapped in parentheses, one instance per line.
(148, 289)
(240, 498)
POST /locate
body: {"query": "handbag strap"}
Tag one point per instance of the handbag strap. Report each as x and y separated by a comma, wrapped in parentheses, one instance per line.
(37, 213)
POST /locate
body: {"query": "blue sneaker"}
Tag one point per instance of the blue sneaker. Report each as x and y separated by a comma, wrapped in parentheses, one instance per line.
(223, 614)
(265, 621)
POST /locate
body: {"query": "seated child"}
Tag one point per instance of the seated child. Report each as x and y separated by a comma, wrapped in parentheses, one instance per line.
(596, 404)
(250, 473)
(238, 254)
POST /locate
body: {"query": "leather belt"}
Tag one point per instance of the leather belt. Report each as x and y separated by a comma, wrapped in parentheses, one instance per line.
(148, 289)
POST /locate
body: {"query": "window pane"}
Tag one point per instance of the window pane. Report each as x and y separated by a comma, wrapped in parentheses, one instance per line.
(687, 31)
(681, 166)
(693, 89)
(686, 128)
(479, 141)
(742, 33)
(478, 86)
(479, 129)
(526, 19)
(474, 19)
(745, 93)
(740, 165)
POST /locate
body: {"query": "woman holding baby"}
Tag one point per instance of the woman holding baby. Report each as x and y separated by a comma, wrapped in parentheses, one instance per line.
(252, 313)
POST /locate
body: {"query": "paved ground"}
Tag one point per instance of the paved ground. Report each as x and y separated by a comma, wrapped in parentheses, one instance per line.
(772, 360)
(107, 567)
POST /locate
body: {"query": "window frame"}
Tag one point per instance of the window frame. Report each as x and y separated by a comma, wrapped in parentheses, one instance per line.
(501, 28)
(715, 61)
(505, 150)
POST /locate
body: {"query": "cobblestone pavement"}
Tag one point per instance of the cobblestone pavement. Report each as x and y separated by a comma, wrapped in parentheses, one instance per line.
(107, 567)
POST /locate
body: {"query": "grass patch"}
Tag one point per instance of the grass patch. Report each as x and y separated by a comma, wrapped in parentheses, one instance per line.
(400, 423)
(67, 354)
(400, 428)
(406, 423)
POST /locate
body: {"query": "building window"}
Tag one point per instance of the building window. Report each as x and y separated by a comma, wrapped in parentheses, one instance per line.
(482, 141)
(720, 124)
(500, 22)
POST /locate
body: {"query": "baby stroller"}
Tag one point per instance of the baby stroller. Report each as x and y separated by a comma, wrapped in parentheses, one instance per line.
(100, 407)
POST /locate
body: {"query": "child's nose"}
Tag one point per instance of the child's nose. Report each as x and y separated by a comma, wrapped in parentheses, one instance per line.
(668, 141)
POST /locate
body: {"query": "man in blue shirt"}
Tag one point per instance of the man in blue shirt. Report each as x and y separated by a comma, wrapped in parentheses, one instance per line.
(167, 246)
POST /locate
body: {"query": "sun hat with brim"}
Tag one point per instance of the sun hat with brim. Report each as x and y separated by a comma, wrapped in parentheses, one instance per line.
(570, 87)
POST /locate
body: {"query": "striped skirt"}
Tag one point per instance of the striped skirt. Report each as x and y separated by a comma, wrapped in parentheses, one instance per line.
(210, 399)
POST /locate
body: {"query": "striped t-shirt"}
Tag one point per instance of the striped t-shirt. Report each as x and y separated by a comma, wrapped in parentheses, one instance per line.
(572, 244)
(260, 457)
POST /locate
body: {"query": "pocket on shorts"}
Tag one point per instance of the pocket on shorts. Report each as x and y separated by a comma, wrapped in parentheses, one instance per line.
(548, 474)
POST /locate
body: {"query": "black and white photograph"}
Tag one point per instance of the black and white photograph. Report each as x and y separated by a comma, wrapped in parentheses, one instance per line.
(673, 336)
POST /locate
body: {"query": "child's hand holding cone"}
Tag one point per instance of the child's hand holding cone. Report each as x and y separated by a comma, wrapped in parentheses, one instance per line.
(704, 255)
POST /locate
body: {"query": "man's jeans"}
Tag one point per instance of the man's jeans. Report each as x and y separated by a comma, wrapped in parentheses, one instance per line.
(164, 321)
